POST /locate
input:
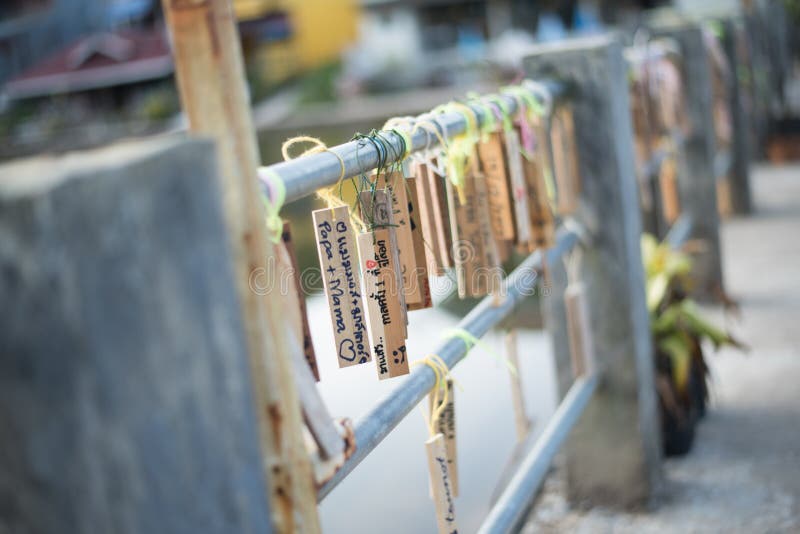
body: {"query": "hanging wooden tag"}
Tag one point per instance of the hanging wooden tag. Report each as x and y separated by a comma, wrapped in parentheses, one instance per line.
(303, 330)
(441, 485)
(467, 242)
(490, 261)
(519, 189)
(521, 420)
(446, 426)
(668, 183)
(376, 207)
(421, 265)
(436, 185)
(384, 315)
(542, 224)
(579, 330)
(492, 160)
(427, 219)
(564, 160)
(338, 262)
(396, 188)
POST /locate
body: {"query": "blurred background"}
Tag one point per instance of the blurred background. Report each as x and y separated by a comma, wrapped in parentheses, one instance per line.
(80, 73)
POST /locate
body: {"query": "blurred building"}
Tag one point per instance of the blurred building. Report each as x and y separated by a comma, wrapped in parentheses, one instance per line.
(283, 38)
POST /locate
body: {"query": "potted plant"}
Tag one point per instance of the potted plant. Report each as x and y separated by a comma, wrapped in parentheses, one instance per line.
(679, 331)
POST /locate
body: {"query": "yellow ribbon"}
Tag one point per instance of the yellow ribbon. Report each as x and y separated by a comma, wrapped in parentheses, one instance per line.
(273, 204)
(472, 341)
(329, 195)
(439, 400)
(461, 150)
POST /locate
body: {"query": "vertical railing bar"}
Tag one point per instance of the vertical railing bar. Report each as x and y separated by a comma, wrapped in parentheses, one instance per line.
(518, 495)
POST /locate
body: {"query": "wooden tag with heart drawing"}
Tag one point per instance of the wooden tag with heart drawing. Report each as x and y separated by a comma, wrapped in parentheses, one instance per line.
(338, 260)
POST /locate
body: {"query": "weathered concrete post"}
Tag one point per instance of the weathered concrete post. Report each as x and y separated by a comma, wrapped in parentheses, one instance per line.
(697, 188)
(741, 199)
(613, 455)
(126, 403)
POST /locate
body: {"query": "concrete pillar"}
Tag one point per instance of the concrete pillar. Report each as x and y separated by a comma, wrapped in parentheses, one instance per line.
(613, 455)
(741, 197)
(126, 403)
(697, 187)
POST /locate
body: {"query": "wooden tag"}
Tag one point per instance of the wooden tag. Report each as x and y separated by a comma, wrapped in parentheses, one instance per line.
(433, 251)
(521, 420)
(421, 266)
(304, 332)
(490, 261)
(519, 189)
(542, 224)
(384, 314)
(376, 206)
(395, 186)
(444, 240)
(579, 330)
(387, 312)
(668, 183)
(446, 426)
(493, 166)
(562, 136)
(338, 262)
(468, 240)
(441, 486)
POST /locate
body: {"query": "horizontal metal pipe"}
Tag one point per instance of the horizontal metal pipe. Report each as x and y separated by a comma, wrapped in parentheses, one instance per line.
(509, 509)
(680, 231)
(306, 174)
(388, 412)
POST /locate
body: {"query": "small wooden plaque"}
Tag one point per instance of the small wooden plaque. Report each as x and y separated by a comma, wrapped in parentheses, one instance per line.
(493, 166)
(421, 266)
(377, 207)
(565, 163)
(441, 485)
(339, 263)
(446, 426)
(384, 313)
(444, 240)
(433, 254)
(542, 223)
(519, 189)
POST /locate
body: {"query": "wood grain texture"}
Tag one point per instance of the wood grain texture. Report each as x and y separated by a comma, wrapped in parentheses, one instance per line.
(421, 264)
(384, 316)
(441, 485)
(214, 96)
(493, 166)
(338, 260)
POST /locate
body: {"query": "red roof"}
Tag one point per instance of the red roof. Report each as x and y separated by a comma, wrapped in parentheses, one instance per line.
(97, 61)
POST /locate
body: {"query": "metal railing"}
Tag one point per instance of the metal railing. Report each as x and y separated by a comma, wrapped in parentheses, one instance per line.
(303, 176)
(611, 186)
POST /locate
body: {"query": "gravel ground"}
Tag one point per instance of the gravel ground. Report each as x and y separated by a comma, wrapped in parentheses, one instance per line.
(743, 475)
